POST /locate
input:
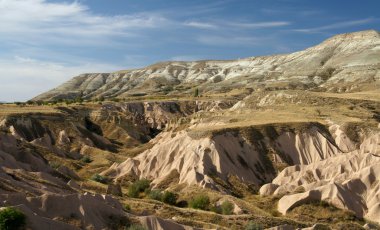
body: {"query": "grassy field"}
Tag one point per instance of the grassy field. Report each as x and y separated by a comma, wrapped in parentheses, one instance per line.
(7, 109)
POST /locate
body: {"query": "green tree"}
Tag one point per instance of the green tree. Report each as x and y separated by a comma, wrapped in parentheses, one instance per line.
(169, 198)
(11, 219)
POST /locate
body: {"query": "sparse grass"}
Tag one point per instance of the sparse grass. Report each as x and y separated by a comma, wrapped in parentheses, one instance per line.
(227, 208)
(136, 227)
(323, 212)
(253, 226)
(8, 109)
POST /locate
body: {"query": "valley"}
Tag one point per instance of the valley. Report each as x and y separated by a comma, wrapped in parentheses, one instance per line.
(277, 142)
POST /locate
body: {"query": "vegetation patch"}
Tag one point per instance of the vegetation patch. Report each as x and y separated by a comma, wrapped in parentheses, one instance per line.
(138, 187)
(200, 202)
(11, 219)
(99, 178)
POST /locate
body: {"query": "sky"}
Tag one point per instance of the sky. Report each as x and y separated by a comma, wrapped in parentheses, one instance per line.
(44, 43)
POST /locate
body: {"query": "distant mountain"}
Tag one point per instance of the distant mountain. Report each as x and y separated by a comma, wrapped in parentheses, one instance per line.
(337, 64)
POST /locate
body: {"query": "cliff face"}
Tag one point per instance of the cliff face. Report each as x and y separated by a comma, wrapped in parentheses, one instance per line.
(337, 64)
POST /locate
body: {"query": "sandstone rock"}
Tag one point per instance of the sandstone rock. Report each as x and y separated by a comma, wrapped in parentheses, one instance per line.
(268, 189)
(347, 181)
(73, 184)
(156, 223)
(63, 138)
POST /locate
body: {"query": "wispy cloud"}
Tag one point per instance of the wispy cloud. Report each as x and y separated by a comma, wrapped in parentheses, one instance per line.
(337, 25)
(257, 25)
(235, 24)
(291, 10)
(201, 25)
(38, 21)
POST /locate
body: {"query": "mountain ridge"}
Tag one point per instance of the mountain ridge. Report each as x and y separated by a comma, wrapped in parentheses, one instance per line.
(341, 58)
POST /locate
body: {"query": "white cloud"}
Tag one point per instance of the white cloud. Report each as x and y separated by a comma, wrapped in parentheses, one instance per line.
(338, 25)
(23, 78)
(258, 25)
(232, 25)
(39, 21)
(201, 25)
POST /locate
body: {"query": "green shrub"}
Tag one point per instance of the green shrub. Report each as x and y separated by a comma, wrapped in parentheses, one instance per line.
(127, 208)
(11, 219)
(99, 178)
(55, 164)
(253, 226)
(155, 194)
(86, 159)
(137, 187)
(227, 208)
(169, 198)
(200, 202)
(142, 184)
(133, 192)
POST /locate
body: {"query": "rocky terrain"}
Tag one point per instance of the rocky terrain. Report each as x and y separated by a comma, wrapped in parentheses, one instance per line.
(340, 64)
(277, 142)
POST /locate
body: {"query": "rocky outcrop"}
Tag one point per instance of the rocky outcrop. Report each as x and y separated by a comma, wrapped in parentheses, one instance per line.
(73, 211)
(348, 181)
(151, 222)
(245, 154)
(337, 64)
(195, 160)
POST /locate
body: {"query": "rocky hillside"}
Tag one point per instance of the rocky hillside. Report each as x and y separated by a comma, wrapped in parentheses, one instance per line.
(340, 64)
(277, 142)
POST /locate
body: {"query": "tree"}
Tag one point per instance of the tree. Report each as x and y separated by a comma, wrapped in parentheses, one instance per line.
(11, 218)
(169, 198)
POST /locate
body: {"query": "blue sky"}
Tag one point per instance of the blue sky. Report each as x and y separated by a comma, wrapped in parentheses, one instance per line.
(46, 42)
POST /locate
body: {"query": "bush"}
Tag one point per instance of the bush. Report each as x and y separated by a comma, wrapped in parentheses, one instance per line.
(86, 159)
(133, 192)
(253, 226)
(227, 208)
(99, 178)
(169, 198)
(200, 202)
(11, 219)
(127, 208)
(155, 195)
(137, 187)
